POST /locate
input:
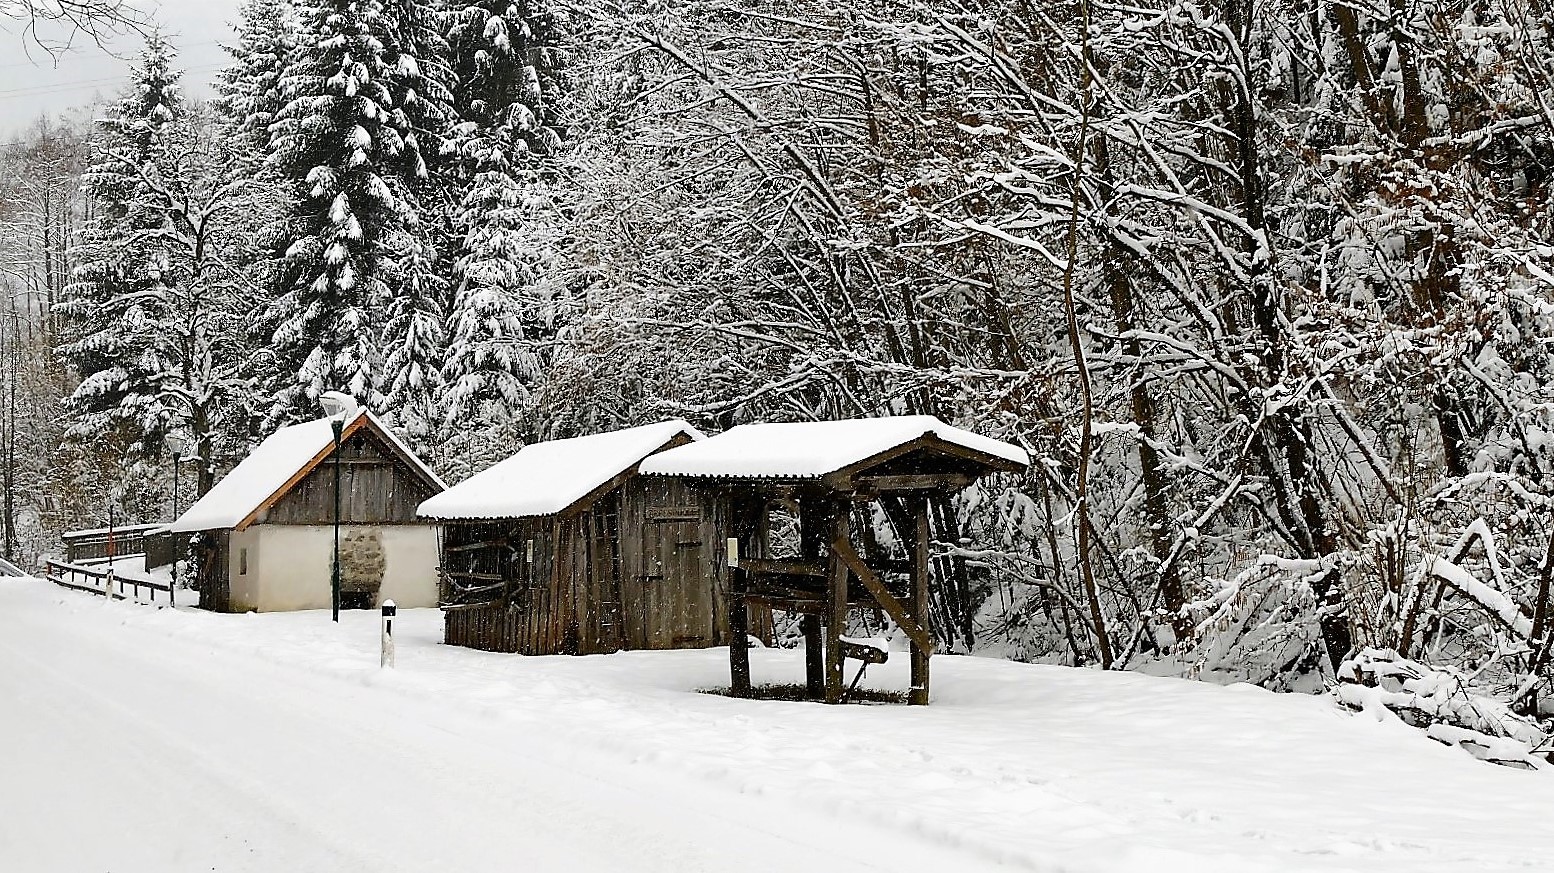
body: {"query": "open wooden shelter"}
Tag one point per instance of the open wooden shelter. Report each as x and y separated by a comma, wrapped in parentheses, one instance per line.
(564, 549)
(825, 475)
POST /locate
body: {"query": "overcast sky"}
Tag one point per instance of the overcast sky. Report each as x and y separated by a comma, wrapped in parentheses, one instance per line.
(33, 83)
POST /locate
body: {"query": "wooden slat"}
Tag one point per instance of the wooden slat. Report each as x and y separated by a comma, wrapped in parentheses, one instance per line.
(485, 577)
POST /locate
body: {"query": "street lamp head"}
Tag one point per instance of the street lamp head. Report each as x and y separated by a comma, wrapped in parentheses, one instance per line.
(177, 444)
(338, 406)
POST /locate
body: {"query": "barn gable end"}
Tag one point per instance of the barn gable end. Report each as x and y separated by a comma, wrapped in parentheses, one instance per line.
(377, 486)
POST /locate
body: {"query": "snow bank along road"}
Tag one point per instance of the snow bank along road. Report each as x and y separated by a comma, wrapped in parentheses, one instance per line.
(135, 739)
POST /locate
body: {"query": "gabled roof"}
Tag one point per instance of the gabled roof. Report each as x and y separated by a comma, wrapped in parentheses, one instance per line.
(812, 449)
(550, 477)
(279, 463)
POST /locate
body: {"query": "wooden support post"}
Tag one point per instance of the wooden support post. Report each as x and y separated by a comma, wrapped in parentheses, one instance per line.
(921, 567)
(814, 658)
(836, 607)
(738, 608)
(739, 637)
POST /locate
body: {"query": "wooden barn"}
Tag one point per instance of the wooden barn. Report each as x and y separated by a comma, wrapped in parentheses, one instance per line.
(831, 483)
(563, 548)
(265, 532)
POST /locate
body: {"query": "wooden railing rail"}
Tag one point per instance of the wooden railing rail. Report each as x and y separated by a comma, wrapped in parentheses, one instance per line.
(108, 583)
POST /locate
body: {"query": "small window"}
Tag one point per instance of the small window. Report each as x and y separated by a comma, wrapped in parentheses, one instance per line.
(242, 562)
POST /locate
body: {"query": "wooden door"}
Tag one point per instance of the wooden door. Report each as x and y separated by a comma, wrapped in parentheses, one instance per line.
(212, 573)
(677, 571)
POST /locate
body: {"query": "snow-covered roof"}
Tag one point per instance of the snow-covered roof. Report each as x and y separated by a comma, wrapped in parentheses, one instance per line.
(811, 449)
(275, 462)
(547, 478)
(9, 569)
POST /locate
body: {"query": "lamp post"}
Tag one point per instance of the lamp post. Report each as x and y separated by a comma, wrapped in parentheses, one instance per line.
(338, 406)
(177, 445)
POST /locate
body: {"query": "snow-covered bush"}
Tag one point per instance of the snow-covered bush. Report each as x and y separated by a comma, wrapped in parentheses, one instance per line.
(1442, 702)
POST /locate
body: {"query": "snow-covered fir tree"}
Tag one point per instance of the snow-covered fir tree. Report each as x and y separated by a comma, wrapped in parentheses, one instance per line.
(117, 311)
(248, 90)
(508, 62)
(363, 114)
(413, 337)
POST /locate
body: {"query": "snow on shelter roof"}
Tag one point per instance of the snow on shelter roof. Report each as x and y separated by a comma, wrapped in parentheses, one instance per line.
(549, 477)
(811, 449)
(272, 464)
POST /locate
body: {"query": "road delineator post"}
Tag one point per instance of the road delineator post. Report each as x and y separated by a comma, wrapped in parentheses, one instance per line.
(387, 657)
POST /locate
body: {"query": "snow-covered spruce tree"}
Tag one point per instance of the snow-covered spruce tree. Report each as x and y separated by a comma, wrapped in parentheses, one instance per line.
(507, 59)
(248, 90)
(364, 113)
(116, 314)
(248, 97)
(413, 339)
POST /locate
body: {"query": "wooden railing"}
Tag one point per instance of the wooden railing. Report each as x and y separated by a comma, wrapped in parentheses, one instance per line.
(117, 585)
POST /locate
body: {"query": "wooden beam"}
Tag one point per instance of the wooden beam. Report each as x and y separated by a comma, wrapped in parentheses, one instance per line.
(887, 601)
(915, 482)
(814, 658)
(836, 601)
(843, 479)
(921, 567)
(783, 567)
(788, 604)
(796, 587)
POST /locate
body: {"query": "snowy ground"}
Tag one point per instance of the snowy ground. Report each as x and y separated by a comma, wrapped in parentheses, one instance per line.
(137, 739)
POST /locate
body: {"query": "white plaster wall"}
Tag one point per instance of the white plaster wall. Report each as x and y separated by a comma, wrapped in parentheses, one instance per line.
(294, 570)
(244, 587)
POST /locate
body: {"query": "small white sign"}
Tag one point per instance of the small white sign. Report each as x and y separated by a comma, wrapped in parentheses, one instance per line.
(733, 552)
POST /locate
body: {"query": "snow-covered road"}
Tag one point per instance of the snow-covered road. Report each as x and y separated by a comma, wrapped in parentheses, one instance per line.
(122, 753)
(137, 739)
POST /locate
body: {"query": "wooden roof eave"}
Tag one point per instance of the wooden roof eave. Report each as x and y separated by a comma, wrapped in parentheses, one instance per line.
(843, 479)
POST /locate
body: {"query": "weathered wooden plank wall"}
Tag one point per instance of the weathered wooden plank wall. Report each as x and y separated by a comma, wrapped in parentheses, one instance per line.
(522, 615)
(640, 569)
(375, 488)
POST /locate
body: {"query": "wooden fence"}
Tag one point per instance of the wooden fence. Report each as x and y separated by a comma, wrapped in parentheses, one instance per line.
(120, 586)
(82, 546)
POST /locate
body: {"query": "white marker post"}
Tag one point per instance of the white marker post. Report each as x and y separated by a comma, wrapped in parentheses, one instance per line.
(387, 658)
